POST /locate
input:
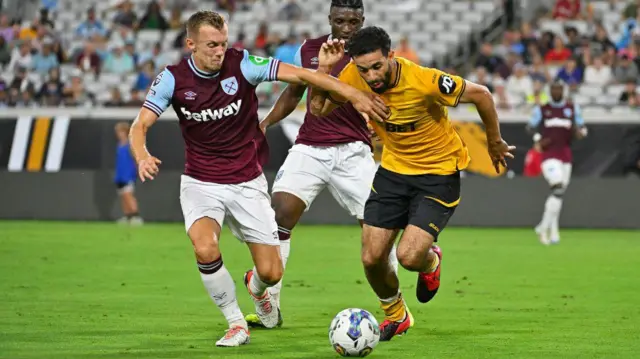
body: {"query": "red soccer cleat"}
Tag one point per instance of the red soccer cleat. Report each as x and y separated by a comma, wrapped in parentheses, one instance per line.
(389, 329)
(428, 283)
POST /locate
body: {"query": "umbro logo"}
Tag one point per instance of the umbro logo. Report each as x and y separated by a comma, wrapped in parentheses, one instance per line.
(315, 61)
(190, 95)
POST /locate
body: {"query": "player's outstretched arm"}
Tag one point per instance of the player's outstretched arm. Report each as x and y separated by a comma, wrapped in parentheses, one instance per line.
(369, 105)
(288, 100)
(157, 101)
(483, 100)
(147, 164)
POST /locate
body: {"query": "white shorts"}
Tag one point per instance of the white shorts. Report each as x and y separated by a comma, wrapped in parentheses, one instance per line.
(347, 170)
(556, 172)
(247, 207)
(127, 187)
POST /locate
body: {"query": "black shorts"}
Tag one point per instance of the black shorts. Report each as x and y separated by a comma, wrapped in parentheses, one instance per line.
(425, 201)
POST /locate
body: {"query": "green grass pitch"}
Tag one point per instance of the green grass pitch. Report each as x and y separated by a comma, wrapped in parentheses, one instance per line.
(83, 290)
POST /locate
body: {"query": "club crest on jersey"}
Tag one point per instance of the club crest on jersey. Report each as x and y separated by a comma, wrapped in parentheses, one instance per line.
(568, 112)
(230, 85)
(190, 95)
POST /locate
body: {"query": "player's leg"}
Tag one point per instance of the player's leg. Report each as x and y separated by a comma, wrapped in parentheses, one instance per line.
(252, 220)
(301, 178)
(351, 180)
(433, 205)
(131, 203)
(554, 230)
(386, 212)
(552, 170)
(203, 210)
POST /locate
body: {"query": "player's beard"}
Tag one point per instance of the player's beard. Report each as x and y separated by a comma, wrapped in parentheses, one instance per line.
(386, 82)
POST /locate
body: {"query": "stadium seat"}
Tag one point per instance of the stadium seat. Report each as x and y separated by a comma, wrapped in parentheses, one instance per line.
(590, 90)
(615, 90)
(624, 110)
(582, 100)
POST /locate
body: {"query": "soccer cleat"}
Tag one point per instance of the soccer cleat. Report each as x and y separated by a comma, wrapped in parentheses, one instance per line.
(234, 337)
(543, 236)
(554, 241)
(428, 283)
(389, 329)
(267, 310)
(254, 321)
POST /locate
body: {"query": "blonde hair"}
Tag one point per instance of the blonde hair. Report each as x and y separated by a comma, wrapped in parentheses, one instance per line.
(204, 17)
(123, 126)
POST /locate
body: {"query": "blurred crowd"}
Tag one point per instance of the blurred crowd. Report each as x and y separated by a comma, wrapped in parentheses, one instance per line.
(599, 69)
(105, 64)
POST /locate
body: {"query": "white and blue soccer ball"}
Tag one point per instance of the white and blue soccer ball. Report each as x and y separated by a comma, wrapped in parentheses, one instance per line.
(354, 333)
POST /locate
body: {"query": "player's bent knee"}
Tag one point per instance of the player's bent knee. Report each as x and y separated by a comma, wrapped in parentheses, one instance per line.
(271, 274)
(206, 250)
(288, 209)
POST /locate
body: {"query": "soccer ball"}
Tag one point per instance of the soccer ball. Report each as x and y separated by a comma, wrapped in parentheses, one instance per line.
(354, 333)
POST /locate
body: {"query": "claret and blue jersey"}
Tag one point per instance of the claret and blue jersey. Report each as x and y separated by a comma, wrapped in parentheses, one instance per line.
(218, 115)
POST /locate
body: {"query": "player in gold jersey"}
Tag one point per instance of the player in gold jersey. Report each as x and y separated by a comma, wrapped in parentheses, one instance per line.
(417, 187)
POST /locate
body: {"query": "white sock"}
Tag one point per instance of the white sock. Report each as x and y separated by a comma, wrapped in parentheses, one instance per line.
(551, 210)
(285, 249)
(555, 222)
(222, 290)
(393, 259)
(257, 286)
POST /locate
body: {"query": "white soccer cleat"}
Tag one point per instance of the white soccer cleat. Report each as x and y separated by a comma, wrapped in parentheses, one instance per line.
(266, 306)
(136, 221)
(234, 337)
(543, 236)
(554, 241)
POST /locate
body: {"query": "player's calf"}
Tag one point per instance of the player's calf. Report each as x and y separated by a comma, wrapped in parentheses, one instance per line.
(216, 278)
(417, 253)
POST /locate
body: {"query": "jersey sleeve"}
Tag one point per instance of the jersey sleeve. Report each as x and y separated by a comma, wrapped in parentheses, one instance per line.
(579, 120)
(258, 69)
(160, 94)
(447, 89)
(536, 117)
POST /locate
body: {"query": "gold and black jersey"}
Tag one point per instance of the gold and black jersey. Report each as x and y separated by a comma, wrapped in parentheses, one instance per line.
(418, 137)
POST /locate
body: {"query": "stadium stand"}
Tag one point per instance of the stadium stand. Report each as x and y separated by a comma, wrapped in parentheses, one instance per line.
(107, 53)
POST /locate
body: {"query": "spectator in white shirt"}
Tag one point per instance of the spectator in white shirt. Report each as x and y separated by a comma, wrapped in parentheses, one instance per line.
(598, 73)
(21, 56)
(520, 84)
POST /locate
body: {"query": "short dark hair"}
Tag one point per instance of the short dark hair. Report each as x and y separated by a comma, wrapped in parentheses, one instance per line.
(204, 17)
(352, 4)
(369, 39)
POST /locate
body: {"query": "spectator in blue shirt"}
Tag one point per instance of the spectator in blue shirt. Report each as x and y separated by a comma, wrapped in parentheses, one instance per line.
(125, 176)
(91, 26)
(145, 76)
(45, 60)
(571, 73)
(287, 51)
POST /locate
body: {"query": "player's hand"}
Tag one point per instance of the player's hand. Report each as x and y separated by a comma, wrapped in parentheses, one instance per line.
(263, 127)
(498, 151)
(372, 132)
(331, 52)
(370, 106)
(148, 168)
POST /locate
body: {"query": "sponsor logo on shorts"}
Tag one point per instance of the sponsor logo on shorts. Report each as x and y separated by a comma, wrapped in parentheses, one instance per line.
(435, 228)
(278, 175)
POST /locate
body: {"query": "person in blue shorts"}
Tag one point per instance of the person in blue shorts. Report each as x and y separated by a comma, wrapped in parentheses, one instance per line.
(125, 177)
